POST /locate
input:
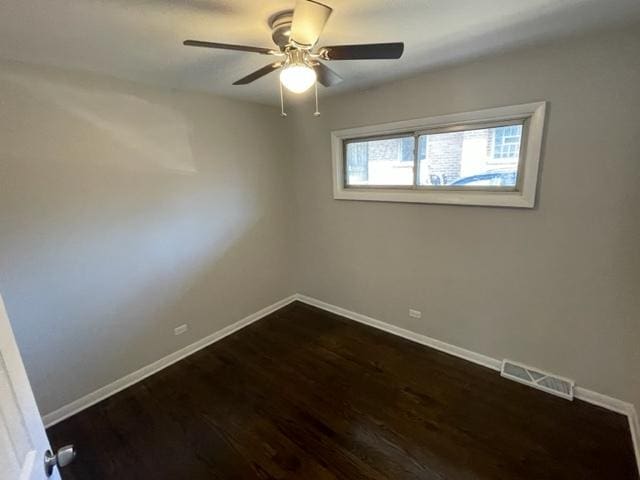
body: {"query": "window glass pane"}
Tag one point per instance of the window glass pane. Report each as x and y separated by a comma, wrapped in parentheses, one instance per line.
(471, 158)
(387, 162)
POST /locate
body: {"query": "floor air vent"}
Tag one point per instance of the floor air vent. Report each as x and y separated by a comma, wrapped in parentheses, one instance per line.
(562, 387)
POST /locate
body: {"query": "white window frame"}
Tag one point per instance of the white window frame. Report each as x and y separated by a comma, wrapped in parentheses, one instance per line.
(524, 196)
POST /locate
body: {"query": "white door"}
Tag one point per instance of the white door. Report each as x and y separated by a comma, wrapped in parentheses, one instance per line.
(23, 441)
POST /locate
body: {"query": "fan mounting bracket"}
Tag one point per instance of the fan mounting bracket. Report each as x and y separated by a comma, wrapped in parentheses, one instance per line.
(280, 25)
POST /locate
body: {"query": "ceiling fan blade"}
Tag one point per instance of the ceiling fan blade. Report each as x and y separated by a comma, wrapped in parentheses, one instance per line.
(258, 73)
(227, 46)
(309, 19)
(326, 76)
(370, 51)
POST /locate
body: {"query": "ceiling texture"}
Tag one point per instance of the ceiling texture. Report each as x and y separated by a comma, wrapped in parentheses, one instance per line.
(141, 40)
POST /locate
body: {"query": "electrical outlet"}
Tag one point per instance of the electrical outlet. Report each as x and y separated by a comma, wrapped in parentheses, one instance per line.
(415, 313)
(180, 330)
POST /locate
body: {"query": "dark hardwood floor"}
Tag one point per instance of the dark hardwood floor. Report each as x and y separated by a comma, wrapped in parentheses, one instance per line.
(308, 395)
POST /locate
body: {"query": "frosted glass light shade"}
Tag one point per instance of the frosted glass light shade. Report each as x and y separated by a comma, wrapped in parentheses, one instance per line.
(298, 78)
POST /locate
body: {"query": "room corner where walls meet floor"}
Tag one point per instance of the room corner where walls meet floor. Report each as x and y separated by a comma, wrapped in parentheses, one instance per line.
(589, 396)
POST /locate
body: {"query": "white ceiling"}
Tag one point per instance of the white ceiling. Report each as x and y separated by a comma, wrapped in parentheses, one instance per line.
(141, 40)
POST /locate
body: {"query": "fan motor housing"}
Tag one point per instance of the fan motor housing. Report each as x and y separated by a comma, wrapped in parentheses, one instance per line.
(280, 25)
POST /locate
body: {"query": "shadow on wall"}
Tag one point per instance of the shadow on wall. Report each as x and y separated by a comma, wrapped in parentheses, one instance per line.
(113, 231)
(107, 128)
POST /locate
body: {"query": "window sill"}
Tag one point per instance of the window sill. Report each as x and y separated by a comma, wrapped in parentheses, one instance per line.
(447, 197)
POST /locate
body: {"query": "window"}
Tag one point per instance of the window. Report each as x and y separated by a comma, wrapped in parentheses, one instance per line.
(383, 161)
(464, 159)
(489, 157)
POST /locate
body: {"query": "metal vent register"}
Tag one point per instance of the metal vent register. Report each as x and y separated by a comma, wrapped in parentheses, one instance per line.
(562, 387)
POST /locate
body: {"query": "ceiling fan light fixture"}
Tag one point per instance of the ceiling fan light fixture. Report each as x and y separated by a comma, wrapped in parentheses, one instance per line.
(295, 34)
(298, 77)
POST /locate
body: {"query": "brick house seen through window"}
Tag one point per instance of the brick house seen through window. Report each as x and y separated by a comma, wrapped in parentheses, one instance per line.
(443, 158)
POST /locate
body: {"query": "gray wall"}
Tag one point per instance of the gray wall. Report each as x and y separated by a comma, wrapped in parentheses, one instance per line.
(557, 287)
(126, 211)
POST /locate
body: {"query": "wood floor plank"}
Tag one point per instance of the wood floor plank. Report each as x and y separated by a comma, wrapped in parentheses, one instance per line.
(305, 394)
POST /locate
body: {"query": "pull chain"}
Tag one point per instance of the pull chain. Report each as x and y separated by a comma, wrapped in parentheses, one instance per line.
(282, 112)
(317, 112)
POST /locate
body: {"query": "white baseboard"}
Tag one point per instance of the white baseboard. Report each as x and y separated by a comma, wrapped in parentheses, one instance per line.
(580, 393)
(604, 401)
(474, 357)
(104, 392)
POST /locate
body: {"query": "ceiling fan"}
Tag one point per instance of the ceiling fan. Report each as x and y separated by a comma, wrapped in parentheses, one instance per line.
(296, 32)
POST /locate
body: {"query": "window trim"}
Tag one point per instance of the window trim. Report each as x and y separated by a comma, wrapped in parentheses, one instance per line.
(533, 116)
